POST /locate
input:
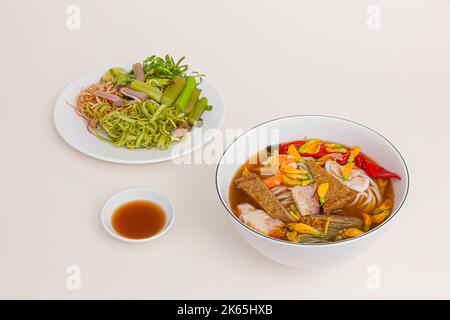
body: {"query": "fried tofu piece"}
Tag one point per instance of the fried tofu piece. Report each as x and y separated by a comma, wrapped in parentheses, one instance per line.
(258, 191)
(338, 195)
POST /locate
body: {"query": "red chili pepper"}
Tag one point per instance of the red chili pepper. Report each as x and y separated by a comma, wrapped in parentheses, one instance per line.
(374, 170)
(284, 146)
(322, 152)
(344, 158)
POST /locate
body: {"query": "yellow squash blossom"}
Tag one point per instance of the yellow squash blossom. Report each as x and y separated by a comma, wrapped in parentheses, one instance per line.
(347, 170)
(325, 158)
(291, 235)
(307, 182)
(382, 184)
(290, 182)
(294, 215)
(386, 205)
(296, 180)
(353, 153)
(335, 147)
(296, 176)
(288, 169)
(306, 229)
(367, 221)
(352, 232)
(310, 147)
(380, 217)
(292, 151)
(286, 159)
(322, 190)
(326, 225)
(294, 212)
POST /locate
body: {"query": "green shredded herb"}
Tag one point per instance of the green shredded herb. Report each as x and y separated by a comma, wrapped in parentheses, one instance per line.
(163, 68)
(143, 125)
(166, 68)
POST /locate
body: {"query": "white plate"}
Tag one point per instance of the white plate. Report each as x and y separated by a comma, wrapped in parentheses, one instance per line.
(72, 127)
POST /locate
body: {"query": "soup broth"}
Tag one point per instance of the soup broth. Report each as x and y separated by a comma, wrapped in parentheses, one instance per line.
(321, 192)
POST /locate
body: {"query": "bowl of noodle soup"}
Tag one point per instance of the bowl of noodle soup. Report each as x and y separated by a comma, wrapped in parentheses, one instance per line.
(310, 252)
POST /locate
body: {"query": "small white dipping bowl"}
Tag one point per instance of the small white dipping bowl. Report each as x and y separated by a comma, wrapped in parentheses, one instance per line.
(296, 128)
(136, 194)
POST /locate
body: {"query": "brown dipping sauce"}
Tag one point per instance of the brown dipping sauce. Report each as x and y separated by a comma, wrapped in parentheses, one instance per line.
(138, 219)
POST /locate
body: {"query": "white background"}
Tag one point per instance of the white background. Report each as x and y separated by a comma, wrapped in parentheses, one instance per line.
(268, 59)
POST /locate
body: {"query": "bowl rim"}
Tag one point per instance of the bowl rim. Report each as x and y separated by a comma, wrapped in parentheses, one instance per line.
(327, 244)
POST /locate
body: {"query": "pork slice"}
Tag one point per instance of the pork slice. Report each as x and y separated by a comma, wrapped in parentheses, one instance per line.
(306, 199)
(115, 100)
(244, 208)
(260, 221)
(338, 195)
(258, 191)
(138, 71)
(180, 132)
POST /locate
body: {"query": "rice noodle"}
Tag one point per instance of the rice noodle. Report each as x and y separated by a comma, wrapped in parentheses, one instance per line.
(286, 202)
(283, 194)
(279, 189)
(305, 167)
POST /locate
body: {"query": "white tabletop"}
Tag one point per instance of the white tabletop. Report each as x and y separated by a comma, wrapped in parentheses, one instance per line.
(268, 60)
